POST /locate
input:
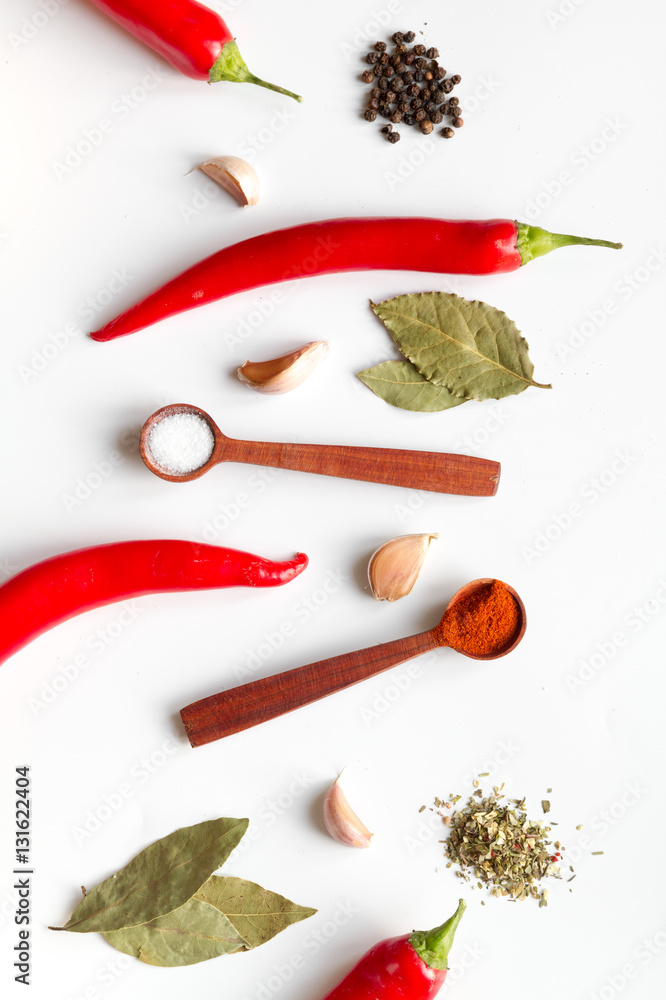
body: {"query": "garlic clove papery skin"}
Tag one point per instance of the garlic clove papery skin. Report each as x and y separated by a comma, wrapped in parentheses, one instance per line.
(342, 822)
(395, 566)
(236, 176)
(283, 374)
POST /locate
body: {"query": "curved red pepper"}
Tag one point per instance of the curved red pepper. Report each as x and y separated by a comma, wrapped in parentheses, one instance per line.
(452, 247)
(60, 588)
(412, 967)
(193, 38)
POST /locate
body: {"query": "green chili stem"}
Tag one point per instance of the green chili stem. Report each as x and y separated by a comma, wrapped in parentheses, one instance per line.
(532, 241)
(230, 65)
(433, 946)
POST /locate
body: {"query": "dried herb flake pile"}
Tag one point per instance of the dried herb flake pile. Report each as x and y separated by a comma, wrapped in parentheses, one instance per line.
(493, 841)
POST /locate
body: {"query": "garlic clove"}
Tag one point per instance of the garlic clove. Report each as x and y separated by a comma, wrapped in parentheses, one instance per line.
(395, 566)
(285, 373)
(236, 176)
(341, 821)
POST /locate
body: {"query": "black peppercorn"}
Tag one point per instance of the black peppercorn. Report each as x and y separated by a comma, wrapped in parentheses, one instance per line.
(408, 85)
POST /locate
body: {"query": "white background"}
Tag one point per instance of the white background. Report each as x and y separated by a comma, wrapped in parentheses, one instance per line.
(579, 92)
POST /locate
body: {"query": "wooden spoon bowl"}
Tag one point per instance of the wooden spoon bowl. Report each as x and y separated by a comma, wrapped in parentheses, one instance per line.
(250, 704)
(170, 411)
(466, 591)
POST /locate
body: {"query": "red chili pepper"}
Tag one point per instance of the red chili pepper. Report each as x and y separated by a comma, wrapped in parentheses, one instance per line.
(193, 38)
(345, 245)
(412, 967)
(55, 590)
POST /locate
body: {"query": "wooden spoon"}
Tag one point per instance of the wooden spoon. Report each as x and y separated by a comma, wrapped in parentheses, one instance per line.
(249, 704)
(465, 475)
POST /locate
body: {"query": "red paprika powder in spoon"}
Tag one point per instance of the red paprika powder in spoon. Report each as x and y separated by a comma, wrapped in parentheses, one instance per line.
(485, 619)
(482, 622)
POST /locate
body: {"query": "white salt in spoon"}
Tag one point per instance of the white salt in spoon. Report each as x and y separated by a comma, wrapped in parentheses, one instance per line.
(180, 443)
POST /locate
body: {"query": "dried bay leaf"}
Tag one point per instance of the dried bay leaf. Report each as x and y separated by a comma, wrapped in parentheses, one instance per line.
(472, 349)
(401, 384)
(193, 933)
(159, 879)
(226, 915)
(257, 914)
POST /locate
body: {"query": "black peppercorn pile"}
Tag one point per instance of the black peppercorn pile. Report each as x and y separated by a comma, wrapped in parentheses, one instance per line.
(409, 87)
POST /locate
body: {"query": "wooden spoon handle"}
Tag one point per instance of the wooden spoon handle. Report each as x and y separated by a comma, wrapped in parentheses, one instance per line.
(418, 470)
(245, 706)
